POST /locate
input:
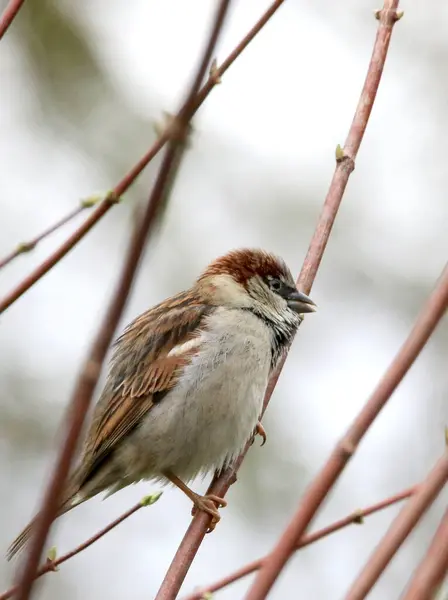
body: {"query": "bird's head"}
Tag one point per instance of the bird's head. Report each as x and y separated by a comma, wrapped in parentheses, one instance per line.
(258, 281)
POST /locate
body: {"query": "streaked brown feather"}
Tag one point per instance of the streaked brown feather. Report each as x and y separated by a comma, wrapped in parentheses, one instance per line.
(140, 370)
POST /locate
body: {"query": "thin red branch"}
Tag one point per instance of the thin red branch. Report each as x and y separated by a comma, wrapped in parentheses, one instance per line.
(429, 575)
(427, 321)
(356, 516)
(88, 379)
(24, 247)
(352, 144)
(401, 527)
(52, 565)
(114, 196)
(324, 481)
(9, 14)
(344, 167)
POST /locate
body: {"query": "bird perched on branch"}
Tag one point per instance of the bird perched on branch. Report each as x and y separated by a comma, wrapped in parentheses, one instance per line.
(187, 379)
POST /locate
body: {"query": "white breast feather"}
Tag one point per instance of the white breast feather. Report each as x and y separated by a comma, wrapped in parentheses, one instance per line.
(204, 423)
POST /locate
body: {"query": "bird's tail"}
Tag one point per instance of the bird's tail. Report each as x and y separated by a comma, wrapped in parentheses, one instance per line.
(75, 499)
(20, 541)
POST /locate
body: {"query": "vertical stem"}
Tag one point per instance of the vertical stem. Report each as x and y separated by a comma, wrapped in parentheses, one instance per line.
(88, 379)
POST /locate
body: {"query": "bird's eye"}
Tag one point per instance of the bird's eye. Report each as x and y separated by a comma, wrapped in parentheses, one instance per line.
(275, 284)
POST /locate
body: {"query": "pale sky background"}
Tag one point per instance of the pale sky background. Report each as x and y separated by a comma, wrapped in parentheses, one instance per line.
(82, 84)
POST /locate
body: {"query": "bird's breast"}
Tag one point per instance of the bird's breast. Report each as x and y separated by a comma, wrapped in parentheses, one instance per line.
(217, 401)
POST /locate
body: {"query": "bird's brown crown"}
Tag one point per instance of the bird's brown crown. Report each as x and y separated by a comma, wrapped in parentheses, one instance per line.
(245, 263)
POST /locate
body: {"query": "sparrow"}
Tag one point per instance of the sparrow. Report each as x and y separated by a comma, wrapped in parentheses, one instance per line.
(186, 382)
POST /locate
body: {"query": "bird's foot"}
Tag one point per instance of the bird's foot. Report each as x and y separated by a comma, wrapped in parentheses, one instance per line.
(209, 504)
(261, 431)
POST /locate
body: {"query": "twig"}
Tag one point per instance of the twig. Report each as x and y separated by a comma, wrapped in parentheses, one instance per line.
(345, 165)
(427, 321)
(31, 244)
(429, 575)
(114, 196)
(401, 527)
(345, 159)
(52, 565)
(88, 379)
(8, 15)
(356, 516)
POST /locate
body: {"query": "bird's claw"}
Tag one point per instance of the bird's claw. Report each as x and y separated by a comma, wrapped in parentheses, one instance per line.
(261, 431)
(208, 504)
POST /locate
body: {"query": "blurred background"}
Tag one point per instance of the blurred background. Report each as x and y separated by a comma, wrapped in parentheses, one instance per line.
(82, 85)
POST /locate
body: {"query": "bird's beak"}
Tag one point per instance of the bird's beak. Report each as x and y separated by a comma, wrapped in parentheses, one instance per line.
(300, 303)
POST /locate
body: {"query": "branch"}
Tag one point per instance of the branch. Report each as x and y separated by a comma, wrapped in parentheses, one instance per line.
(9, 14)
(400, 529)
(346, 156)
(114, 196)
(324, 481)
(429, 575)
(427, 321)
(52, 565)
(344, 167)
(356, 517)
(88, 379)
(24, 247)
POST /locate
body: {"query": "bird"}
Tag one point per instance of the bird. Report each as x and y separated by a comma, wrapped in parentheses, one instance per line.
(186, 382)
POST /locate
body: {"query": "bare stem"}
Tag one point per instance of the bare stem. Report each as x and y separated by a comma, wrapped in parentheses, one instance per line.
(9, 14)
(429, 575)
(88, 379)
(345, 165)
(356, 517)
(401, 527)
(429, 317)
(346, 161)
(24, 247)
(129, 179)
(52, 565)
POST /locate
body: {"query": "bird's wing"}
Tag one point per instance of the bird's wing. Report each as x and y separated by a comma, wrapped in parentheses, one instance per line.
(147, 361)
